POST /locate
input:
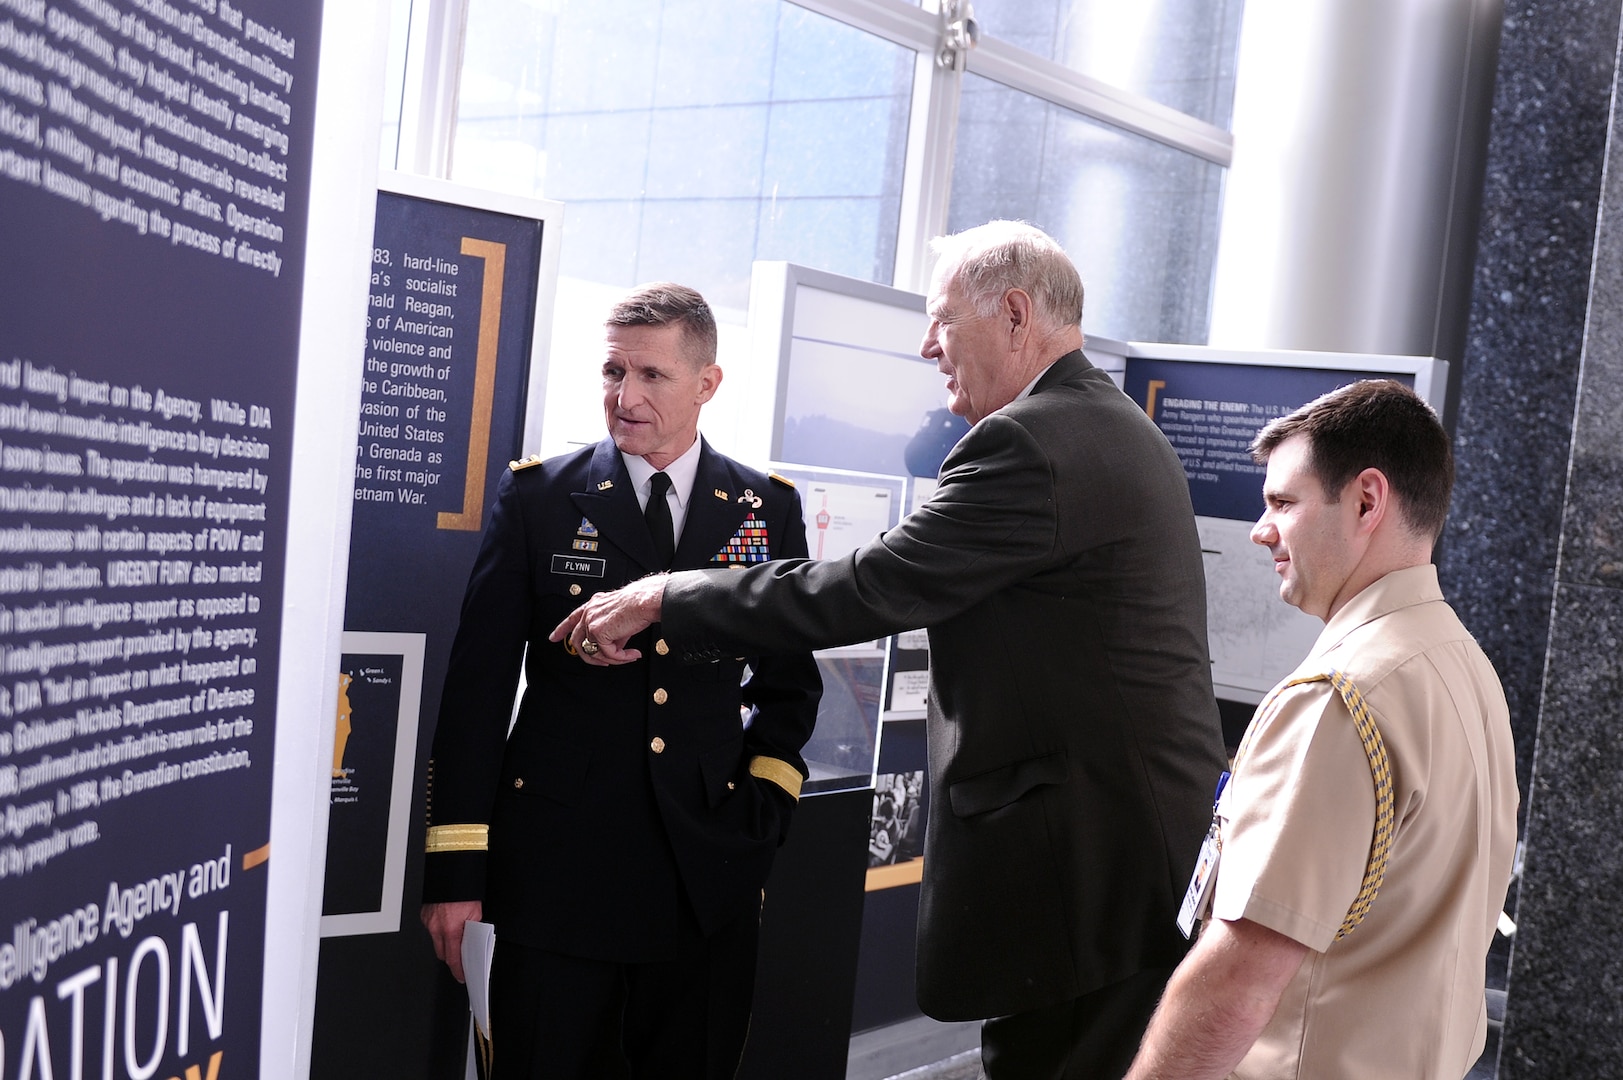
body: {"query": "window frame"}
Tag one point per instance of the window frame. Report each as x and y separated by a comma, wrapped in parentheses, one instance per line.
(433, 71)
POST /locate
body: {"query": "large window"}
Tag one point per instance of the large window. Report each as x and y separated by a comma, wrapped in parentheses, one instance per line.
(690, 138)
(1139, 218)
(1179, 53)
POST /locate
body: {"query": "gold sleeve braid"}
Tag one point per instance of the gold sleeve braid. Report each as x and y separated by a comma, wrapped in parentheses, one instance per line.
(778, 772)
(443, 838)
(1380, 771)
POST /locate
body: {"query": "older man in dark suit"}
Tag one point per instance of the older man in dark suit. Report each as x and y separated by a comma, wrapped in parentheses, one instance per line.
(620, 835)
(1074, 739)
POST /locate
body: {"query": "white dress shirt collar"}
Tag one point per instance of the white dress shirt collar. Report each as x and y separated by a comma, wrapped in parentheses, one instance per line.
(683, 472)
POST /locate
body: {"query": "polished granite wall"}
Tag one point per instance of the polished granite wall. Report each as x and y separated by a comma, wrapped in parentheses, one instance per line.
(1533, 556)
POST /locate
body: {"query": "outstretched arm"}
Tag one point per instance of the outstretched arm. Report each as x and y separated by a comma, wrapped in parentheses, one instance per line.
(1217, 1002)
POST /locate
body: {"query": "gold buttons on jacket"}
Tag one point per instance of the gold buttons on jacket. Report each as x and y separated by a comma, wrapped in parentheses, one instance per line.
(661, 648)
(574, 590)
(660, 696)
(731, 786)
(518, 781)
(658, 745)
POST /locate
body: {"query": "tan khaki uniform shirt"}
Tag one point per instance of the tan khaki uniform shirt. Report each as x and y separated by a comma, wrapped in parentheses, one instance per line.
(1402, 994)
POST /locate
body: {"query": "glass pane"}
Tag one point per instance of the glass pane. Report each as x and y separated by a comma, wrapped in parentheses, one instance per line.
(1180, 53)
(690, 137)
(1140, 219)
(399, 27)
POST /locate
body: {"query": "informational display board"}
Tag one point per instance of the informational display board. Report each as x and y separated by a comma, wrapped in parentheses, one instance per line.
(835, 376)
(154, 181)
(462, 285)
(843, 511)
(1210, 403)
(457, 310)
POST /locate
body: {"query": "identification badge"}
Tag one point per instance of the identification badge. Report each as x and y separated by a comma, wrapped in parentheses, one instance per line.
(1197, 899)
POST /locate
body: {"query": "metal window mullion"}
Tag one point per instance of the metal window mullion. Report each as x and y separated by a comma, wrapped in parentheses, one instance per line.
(428, 100)
(932, 132)
(1032, 74)
(894, 20)
(931, 127)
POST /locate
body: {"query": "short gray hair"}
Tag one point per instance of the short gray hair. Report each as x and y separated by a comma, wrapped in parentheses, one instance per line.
(989, 260)
(665, 303)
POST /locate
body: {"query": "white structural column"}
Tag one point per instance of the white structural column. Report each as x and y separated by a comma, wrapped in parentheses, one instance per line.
(343, 199)
(1360, 129)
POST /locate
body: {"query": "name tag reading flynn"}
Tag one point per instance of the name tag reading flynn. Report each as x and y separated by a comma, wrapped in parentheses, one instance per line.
(577, 566)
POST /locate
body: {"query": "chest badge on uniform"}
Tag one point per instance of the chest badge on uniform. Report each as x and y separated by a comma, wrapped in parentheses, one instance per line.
(750, 497)
(586, 528)
(750, 544)
(584, 545)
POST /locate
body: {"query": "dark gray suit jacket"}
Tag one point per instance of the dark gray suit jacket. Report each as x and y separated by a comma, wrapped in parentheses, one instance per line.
(1074, 738)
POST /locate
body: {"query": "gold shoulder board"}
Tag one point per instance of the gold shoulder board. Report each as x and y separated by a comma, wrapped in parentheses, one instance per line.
(784, 480)
(533, 459)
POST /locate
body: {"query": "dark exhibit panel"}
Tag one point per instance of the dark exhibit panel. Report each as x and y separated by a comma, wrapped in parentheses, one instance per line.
(448, 347)
(801, 1026)
(885, 990)
(153, 220)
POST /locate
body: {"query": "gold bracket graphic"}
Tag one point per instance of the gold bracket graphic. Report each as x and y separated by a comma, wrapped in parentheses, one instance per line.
(484, 385)
(1156, 385)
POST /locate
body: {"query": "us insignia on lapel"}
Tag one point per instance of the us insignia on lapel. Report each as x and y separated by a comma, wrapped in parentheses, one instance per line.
(750, 544)
(720, 494)
(605, 485)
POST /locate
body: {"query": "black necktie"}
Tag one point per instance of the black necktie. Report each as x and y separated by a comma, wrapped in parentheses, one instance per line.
(658, 515)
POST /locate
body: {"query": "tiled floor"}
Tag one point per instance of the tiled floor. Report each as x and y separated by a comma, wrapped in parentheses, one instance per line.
(966, 1065)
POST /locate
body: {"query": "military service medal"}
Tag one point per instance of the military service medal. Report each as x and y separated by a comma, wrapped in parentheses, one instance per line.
(750, 544)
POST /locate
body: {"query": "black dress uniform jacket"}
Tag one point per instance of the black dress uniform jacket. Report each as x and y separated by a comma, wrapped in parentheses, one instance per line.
(630, 812)
(1074, 742)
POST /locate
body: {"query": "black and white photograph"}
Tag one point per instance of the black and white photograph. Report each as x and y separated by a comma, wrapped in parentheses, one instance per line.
(896, 830)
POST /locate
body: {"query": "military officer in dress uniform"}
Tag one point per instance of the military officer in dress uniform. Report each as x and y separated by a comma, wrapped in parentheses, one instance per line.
(620, 835)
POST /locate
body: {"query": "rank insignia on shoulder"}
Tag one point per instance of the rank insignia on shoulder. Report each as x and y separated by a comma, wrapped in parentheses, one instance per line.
(750, 544)
(784, 480)
(750, 497)
(720, 494)
(533, 459)
(605, 485)
(586, 528)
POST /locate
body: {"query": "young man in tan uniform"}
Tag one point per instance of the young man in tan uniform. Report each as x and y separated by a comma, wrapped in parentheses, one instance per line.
(1365, 841)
